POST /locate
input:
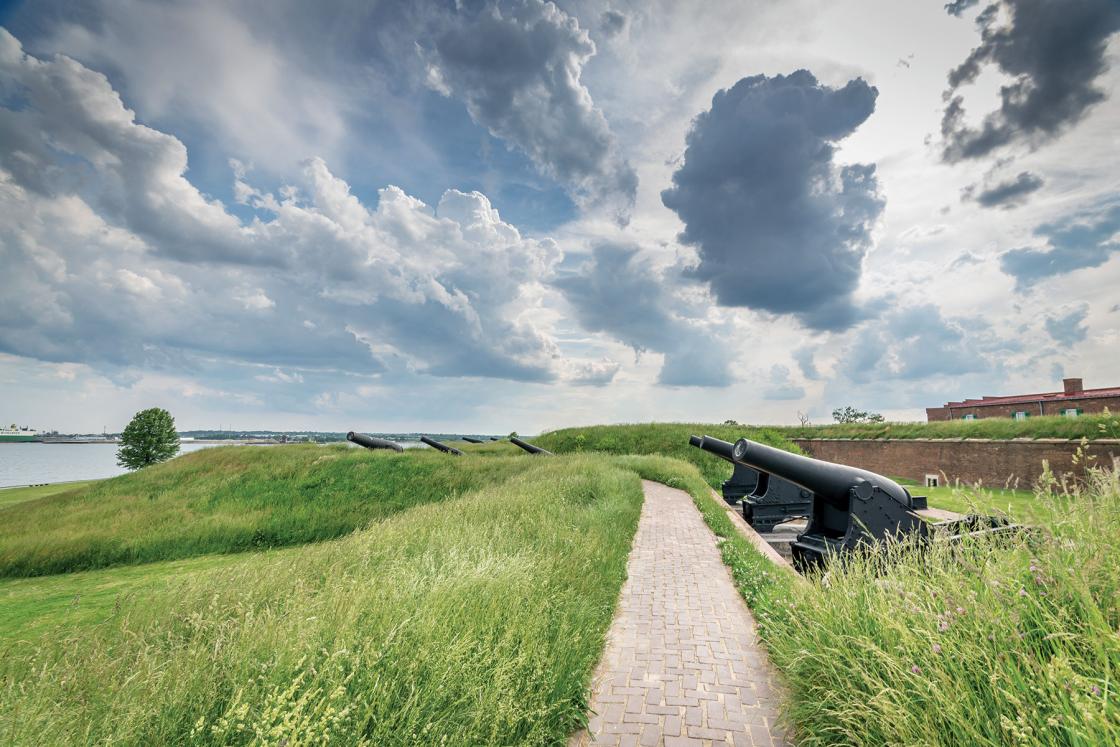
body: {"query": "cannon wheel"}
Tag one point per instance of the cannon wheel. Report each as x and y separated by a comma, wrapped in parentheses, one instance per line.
(748, 513)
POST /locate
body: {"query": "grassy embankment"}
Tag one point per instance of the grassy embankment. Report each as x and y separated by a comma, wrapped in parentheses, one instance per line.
(473, 619)
(225, 500)
(992, 643)
(1051, 426)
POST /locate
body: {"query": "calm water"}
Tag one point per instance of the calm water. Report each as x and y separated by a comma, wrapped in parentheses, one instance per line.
(29, 464)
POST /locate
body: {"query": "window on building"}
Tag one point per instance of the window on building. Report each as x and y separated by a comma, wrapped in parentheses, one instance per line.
(1071, 412)
(968, 416)
(1020, 414)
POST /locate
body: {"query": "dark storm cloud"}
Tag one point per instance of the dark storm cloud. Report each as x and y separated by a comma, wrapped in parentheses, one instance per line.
(1010, 193)
(616, 292)
(1054, 50)
(518, 69)
(1086, 239)
(778, 226)
(956, 7)
(1068, 328)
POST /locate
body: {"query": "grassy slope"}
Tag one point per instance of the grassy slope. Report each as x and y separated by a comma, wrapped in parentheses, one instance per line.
(1056, 426)
(228, 500)
(12, 496)
(474, 621)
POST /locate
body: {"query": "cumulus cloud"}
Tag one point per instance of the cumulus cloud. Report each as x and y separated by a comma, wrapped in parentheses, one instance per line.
(778, 226)
(592, 373)
(780, 387)
(119, 251)
(1068, 328)
(1054, 51)
(617, 292)
(912, 343)
(65, 130)
(1086, 239)
(1006, 194)
(517, 67)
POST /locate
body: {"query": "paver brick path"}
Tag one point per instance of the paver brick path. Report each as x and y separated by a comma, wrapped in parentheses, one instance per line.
(682, 664)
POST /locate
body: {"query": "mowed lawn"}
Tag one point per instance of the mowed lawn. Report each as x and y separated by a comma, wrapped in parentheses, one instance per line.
(475, 619)
(229, 499)
(12, 496)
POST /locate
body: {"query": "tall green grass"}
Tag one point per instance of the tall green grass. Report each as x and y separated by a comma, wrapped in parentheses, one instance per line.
(229, 499)
(476, 620)
(663, 439)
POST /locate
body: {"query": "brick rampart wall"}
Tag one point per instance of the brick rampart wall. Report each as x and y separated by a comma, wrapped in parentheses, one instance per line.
(993, 463)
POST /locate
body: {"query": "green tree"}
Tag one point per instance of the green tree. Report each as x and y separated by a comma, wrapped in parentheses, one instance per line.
(852, 415)
(149, 438)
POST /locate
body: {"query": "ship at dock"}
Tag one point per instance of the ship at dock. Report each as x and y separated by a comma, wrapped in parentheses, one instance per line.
(19, 434)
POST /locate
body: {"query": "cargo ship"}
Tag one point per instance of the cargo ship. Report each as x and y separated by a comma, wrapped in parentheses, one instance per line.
(16, 434)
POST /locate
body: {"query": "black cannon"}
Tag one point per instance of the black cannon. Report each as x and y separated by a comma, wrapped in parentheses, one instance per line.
(850, 507)
(767, 500)
(370, 442)
(471, 440)
(495, 438)
(441, 447)
(529, 447)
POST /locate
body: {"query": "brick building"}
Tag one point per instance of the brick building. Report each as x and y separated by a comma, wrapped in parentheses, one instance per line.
(1073, 400)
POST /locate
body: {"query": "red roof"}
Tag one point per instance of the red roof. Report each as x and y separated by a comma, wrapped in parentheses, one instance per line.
(1044, 396)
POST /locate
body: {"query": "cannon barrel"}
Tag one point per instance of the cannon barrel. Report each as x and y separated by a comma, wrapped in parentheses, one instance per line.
(495, 438)
(529, 447)
(471, 440)
(441, 447)
(372, 443)
(834, 483)
(718, 447)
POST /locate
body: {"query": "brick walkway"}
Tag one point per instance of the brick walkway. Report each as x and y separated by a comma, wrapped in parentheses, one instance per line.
(682, 665)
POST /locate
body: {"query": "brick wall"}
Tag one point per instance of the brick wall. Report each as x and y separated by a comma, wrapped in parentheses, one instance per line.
(993, 463)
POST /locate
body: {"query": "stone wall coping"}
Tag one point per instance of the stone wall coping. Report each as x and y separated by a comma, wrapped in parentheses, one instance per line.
(962, 439)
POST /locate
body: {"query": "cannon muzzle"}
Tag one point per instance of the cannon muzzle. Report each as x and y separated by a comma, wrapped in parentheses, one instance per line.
(441, 447)
(370, 442)
(471, 440)
(529, 447)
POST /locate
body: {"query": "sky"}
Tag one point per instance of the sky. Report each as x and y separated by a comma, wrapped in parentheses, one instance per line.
(521, 215)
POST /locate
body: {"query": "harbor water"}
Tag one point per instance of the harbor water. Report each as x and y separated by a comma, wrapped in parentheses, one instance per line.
(35, 463)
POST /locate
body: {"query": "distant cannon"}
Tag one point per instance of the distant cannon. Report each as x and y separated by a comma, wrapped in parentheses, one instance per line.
(441, 447)
(529, 447)
(370, 442)
(850, 507)
(471, 440)
(495, 438)
(767, 500)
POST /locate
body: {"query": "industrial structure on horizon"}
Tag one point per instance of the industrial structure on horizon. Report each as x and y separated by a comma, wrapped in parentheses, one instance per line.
(1072, 401)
